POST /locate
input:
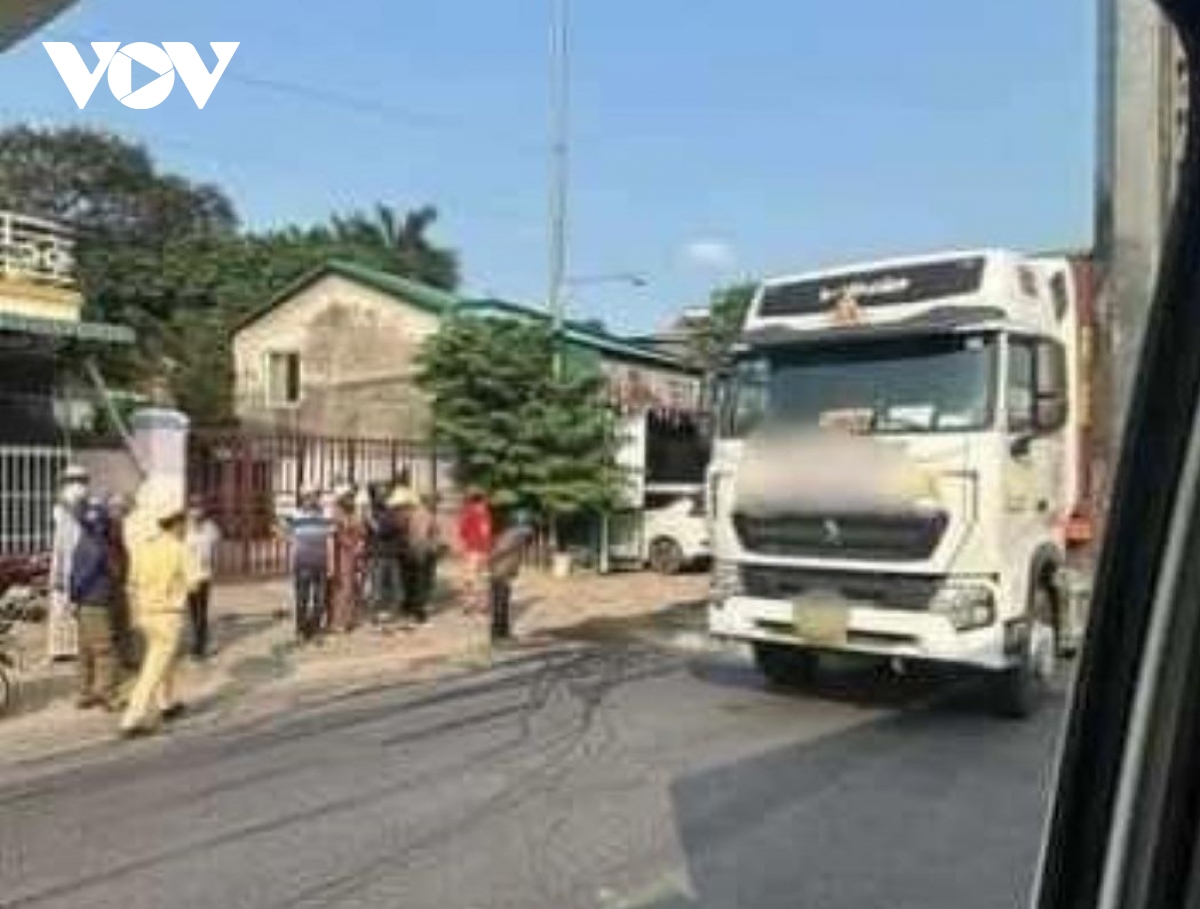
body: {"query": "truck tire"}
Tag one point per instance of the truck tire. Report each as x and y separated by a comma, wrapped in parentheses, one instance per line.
(1019, 691)
(666, 556)
(784, 666)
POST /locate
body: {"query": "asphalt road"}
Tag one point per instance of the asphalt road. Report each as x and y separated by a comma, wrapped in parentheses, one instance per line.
(604, 775)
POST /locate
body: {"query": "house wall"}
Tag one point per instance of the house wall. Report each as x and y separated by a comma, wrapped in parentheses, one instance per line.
(357, 349)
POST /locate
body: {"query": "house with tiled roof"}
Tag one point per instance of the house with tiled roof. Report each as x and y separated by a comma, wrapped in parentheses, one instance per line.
(334, 354)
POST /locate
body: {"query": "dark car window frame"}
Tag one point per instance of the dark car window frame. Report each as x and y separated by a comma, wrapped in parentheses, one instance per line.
(1126, 813)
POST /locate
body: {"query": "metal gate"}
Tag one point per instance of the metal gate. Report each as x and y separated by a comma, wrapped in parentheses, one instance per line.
(28, 487)
(248, 479)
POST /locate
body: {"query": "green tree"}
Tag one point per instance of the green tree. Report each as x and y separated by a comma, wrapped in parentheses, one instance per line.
(710, 341)
(517, 432)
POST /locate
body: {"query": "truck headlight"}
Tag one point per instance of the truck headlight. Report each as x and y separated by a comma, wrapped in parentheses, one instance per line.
(966, 607)
(725, 581)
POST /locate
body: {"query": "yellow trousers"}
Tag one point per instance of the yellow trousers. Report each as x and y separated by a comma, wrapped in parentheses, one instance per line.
(154, 690)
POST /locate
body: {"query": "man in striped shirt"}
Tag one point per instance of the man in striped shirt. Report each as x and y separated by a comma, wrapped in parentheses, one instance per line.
(310, 532)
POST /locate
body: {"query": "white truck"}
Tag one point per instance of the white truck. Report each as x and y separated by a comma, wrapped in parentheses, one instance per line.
(902, 468)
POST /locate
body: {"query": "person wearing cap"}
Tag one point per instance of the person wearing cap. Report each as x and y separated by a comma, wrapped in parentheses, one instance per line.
(94, 587)
(202, 537)
(504, 564)
(160, 577)
(62, 631)
(311, 535)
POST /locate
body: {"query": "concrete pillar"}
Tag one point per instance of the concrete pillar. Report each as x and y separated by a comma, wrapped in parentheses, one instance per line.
(160, 440)
(1137, 152)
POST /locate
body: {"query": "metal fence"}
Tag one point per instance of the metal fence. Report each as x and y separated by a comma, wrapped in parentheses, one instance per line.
(249, 479)
(28, 485)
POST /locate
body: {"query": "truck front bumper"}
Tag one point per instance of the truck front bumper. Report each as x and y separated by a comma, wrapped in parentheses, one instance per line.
(848, 627)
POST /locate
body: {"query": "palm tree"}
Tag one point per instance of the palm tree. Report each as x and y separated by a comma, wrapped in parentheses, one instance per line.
(408, 251)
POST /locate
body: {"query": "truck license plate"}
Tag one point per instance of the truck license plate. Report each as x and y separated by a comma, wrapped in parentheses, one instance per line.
(821, 621)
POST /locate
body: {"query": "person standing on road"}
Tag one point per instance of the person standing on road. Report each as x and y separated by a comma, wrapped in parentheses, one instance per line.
(348, 541)
(94, 585)
(387, 550)
(159, 582)
(123, 634)
(475, 541)
(62, 630)
(504, 564)
(311, 535)
(420, 558)
(202, 538)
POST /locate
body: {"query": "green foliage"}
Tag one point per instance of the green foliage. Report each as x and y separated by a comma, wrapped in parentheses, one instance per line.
(727, 308)
(519, 433)
(165, 256)
(400, 244)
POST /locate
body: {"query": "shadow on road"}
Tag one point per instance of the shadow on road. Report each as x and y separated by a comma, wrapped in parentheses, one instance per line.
(937, 807)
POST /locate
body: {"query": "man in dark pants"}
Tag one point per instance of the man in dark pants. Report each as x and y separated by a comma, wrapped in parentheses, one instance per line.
(420, 558)
(93, 588)
(311, 535)
(504, 564)
(201, 539)
(388, 542)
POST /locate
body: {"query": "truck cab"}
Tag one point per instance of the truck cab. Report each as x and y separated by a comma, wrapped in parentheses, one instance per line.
(898, 467)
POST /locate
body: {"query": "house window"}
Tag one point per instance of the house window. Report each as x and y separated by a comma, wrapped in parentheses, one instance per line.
(283, 379)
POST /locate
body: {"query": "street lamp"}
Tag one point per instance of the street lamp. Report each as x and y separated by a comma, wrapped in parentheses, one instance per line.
(633, 279)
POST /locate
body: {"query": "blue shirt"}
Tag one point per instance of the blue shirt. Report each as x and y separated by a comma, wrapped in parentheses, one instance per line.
(309, 532)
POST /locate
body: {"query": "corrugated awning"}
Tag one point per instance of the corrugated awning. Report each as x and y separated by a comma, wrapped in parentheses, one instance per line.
(92, 332)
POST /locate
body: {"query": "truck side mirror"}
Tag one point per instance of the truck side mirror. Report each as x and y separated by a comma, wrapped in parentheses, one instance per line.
(1050, 412)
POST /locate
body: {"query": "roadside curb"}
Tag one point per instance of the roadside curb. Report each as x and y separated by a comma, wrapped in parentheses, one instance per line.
(35, 693)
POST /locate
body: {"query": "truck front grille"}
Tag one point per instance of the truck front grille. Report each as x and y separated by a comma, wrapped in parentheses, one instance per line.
(902, 537)
(882, 591)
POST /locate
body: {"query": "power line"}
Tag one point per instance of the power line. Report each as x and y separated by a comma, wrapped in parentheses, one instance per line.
(411, 117)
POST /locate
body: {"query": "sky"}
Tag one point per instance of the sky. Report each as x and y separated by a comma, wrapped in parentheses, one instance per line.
(710, 142)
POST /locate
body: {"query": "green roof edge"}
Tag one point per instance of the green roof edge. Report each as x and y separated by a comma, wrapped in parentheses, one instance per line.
(586, 335)
(443, 302)
(421, 295)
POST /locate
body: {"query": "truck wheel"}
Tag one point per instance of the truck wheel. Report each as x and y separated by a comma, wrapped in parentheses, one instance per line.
(1020, 690)
(787, 667)
(666, 556)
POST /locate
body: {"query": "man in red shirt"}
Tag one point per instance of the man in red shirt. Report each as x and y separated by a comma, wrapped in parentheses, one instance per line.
(475, 539)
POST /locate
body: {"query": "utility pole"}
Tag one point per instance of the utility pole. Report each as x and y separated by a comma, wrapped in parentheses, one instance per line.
(560, 78)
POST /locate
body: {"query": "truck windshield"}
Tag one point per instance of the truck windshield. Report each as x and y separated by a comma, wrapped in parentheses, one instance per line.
(911, 385)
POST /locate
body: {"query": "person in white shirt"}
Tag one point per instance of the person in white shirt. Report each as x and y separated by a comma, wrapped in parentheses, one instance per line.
(62, 639)
(201, 539)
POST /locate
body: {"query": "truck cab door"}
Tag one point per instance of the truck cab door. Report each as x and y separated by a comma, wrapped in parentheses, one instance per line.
(1035, 494)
